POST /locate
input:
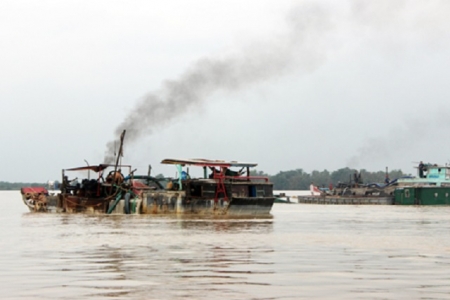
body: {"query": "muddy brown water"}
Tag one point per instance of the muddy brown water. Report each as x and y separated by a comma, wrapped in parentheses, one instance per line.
(303, 251)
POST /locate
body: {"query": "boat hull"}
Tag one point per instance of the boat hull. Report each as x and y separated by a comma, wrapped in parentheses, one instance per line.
(176, 202)
(422, 196)
(164, 202)
(38, 199)
(75, 204)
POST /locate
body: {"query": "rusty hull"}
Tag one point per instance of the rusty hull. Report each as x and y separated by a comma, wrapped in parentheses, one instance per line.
(75, 204)
(176, 202)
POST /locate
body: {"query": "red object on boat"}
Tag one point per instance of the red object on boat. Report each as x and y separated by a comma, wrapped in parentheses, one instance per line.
(32, 190)
(138, 187)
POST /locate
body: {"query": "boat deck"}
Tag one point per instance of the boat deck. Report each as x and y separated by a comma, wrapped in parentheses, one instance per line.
(346, 200)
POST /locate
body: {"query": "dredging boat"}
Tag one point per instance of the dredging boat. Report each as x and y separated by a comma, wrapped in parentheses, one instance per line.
(222, 192)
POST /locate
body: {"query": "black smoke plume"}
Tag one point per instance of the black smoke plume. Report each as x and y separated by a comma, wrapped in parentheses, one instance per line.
(300, 48)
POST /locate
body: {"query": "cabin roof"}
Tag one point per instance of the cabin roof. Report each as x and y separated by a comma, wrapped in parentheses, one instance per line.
(435, 166)
(207, 162)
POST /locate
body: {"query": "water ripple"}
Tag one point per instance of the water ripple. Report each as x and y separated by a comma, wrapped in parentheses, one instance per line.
(301, 252)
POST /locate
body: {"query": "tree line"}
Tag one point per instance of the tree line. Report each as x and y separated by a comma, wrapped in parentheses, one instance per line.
(300, 180)
(6, 186)
(285, 180)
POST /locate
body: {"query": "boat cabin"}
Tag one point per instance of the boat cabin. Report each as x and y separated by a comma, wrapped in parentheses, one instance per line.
(432, 174)
(225, 186)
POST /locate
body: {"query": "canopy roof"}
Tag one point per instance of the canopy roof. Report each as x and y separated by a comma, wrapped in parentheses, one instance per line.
(207, 163)
(97, 168)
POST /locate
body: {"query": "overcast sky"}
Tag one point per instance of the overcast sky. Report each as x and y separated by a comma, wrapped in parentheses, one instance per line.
(287, 84)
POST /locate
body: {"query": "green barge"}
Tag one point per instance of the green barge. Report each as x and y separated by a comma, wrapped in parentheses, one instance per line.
(422, 195)
(430, 187)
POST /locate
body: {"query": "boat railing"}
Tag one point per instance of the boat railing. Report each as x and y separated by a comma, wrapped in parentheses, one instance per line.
(248, 178)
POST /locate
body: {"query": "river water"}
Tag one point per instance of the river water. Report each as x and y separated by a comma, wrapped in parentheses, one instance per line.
(301, 252)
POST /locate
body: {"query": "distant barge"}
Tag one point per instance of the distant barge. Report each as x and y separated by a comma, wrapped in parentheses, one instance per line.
(329, 199)
(430, 187)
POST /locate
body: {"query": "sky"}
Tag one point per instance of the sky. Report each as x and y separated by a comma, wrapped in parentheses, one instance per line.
(309, 85)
